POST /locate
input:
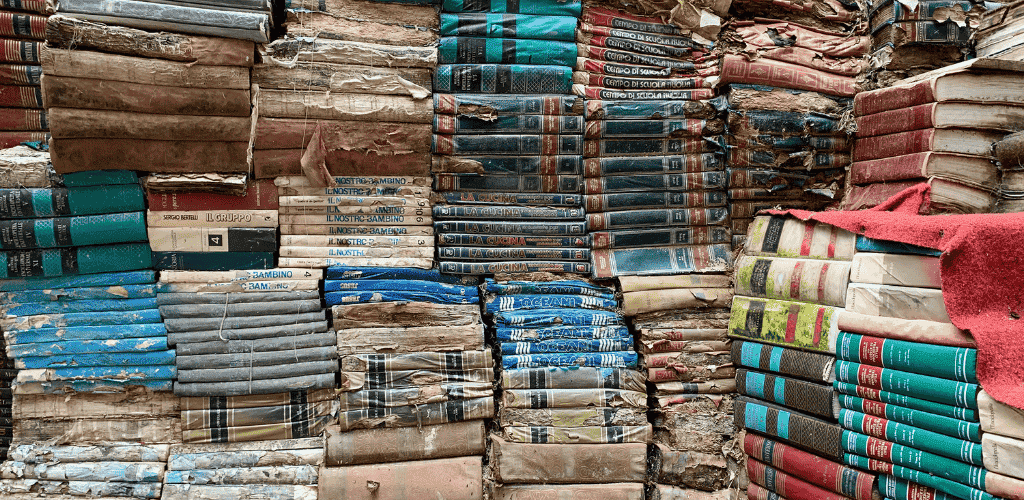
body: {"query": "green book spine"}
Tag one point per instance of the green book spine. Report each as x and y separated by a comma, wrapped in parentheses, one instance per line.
(921, 439)
(801, 430)
(956, 363)
(936, 389)
(900, 489)
(77, 260)
(958, 490)
(816, 399)
(789, 324)
(100, 178)
(72, 231)
(961, 429)
(907, 401)
(879, 449)
(58, 202)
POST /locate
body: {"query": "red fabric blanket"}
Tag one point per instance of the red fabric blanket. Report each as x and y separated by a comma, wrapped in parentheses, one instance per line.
(982, 267)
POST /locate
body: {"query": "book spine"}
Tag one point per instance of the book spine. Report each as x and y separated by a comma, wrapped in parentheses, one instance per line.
(619, 82)
(906, 401)
(682, 164)
(615, 359)
(366, 252)
(662, 260)
(23, 119)
(812, 468)
(195, 239)
(507, 184)
(509, 26)
(17, 96)
(790, 324)
(212, 261)
(509, 165)
(633, 201)
(809, 433)
(458, 104)
(352, 230)
(502, 79)
(22, 25)
(599, 53)
(12, 139)
(910, 166)
(480, 240)
(72, 231)
(579, 435)
(628, 219)
(896, 121)
(28, 5)
(648, 110)
(779, 482)
(736, 69)
(956, 363)
(893, 98)
(484, 253)
(935, 389)
(508, 144)
(627, 70)
(649, 147)
(92, 200)
(468, 50)
(756, 121)
(477, 268)
(370, 220)
(612, 129)
(324, 202)
(259, 195)
(961, 429)
(772, 159)
(357, 241)
(19, 51)
(212, 218)
(504, 213)
(632, 45)
(900, 33)
(476, 198)
(900, 489)
(816, 399)
(648, 183)
(899, 144)
(791, 143)
(640, 36)
(646, 95)
(513, 228)
(571, 8)
(693, 235)
(76, 260)
(517, 302)
(927, 441)
(791, 362)
(515, 124)
(821, 282)
(381, 209)
(599, 16)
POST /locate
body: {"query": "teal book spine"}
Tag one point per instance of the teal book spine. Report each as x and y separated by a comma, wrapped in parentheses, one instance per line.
(803, 431)
(953, 488)
(468, 50)
(502, 79)
(536, 7)
(915, 437)
(100, 178)
(52, 262)
(72, 231)
(907, 401)
(108, 279)
(816, 399)
(61, 202)
(953, 427)
(901, 489)
(893, 453)
(956, 363)
(509, 26)
(939, 390)
(212, 261)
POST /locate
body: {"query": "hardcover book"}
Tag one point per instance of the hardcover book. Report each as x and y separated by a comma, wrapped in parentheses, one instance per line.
(804, 280)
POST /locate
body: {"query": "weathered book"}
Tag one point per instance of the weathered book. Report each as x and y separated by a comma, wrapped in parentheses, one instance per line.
(98, 65)
(20, 51)
(620, 82)
(997, 449)
(88, 200)
(789, 143)
(595, 67)
(689, 163)
(1001, 417)
(259, 195)
(737, 69)
(662, 260)
(524, 144)
(812, 434)
(16, 119)
(75, 260)
(518, 124)
(89, 93)
(896, 301)
(270, 163)
(524, 184)
(777, 481)
(894, 12)
(14, 139)
(649, 110)
(591, 92)
(509, 26)
(627, 55)
(186, 491)
(18, 96)
(896, 269)
(920, 33)
(212, 218)
(515, 267)
(638, 42)
(601, 16)
(565, 317)
(803, 280)
(624, 491)
(630, 201)
(573, 417)
(650, 147)
(474, 240)
(663, 182)
(615, 128)
(948, 426)
(816, 399)
(366, 22)
(513, 213)
(762, 33)
(407, 131)
(972, 115)
(693, 235)
(543, 7)
(954, 140)
(956, 363)
(28, 5)
(812, 468)
(917, 438)
(75, 155)
(212, 261)
(613, 359)
(487, 107)
(342, 78)
(368, 446)
(507, 165)
(574, 378)
(294, 426)
(560, 335)
(450, 478)
(790, 237)
(196, 239)
(503, 79)
(470, 50)
(903, 489)
(970, 169)
(907, 401)
(414, 416)
(254, 26)
(70, 32)
(283, 474)
(790, 324)
(950, 392)
(957, 82)
(645, 301)
(753, 122)
(513, 228)
(587, 30)
(14, 488)
(578, 435)
(525, 254)
(666, 217)
(572, 398)
(568, 463)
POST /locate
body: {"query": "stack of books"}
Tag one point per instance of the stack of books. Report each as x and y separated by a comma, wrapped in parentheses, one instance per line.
(164, 103)
(790, 288)
(573, 404)
(999, 32)
(936, 128)
(200, 231)
(907, 380)
(361, 221)
(508, 139)
(416, 385)
(22, 117)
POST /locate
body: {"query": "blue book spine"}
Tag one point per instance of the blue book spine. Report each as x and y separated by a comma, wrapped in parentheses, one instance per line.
(501, 104)
(647, 183)
(571, 8)
(138, 373)
(504, 212)
(392, 273)
(619, 359)
(480, 240)
(513, 228)
(792, 143)
(557, 317)
(648, 110)
(484, 198)
(624, 129)
(61, 202)
(509, 26)
(373, 285)
(662, 260)
(143, 344)
(768, 121)
(84, 293)
(508, 144)
(517, 165)
(561, 332)
(503, 79)
(502, 303)
(82, 319)
(652, 147)
(865, 244)
(85, 333)
(212, 261)
(563, 287)
(660, 237)
(697, 162)
(490, 253)
(96, 359)
(479, 268)
(470, 50)
(51, 262)
(658, 217)
(340, 298)
(77, 306)
(84, 280)
(665, 199)
(509, 124)
(566, 346)
(508, 186)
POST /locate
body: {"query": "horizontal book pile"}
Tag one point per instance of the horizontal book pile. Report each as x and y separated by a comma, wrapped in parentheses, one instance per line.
(790, 289)
(998, 33)
(573, 404)
(239, 19)
(936, 128)
(360, 221)
(202, 231)
(164, 103)
(907, 381)
(508, 139)
(22, 117)
(654, 177)
(416, 385)
(347, 92)
(256, 368)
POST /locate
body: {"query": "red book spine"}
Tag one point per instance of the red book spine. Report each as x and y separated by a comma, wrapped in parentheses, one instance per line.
(903, 96)
(19, 74)
(22, 25)
(11, 139)
(737, 69)
(884, 146)
(260, 195)
(19, 96)
(19, 51)
(444, 104)
(861, 197)
(23, 119)
(607, 17)
(786, 485)
(809, 467)
(896, 121)
(896, 168)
